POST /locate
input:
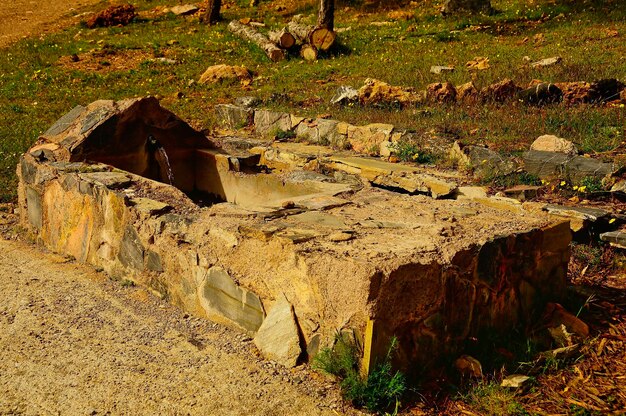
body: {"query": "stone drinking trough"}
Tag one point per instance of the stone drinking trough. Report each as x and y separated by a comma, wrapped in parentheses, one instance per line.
(291, 257)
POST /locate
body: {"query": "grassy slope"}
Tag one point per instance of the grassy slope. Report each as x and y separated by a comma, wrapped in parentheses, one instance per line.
(35, 89)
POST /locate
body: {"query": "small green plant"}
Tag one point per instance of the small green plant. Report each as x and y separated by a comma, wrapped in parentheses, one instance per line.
(284, 134)
(589, 184)
(380, 391)
(408, 151)
(507, 181)
(491, 399)
(127, 283)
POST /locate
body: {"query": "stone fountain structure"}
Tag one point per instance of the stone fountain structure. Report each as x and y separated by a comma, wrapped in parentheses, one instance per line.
(290, 253)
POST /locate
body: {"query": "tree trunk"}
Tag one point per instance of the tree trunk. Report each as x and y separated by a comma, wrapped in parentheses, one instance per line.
(212, 14)
(326, 15)
(271, 50)
(472, 6)
(283, 38)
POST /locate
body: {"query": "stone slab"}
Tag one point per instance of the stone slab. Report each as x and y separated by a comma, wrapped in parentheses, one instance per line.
(219, 294)
(616, 238)
(278, 338)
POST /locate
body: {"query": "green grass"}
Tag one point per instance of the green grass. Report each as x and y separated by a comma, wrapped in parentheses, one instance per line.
(380, 391)
(35, 90)
(489, 399)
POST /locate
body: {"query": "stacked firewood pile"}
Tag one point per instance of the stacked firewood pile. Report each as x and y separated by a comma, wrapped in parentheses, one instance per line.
(296, 38)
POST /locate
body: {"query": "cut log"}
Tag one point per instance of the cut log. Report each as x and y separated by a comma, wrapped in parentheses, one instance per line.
(322, 38)
(308, 52)
(283, 38)
(271, 50)
(319, 37)
(300, 31)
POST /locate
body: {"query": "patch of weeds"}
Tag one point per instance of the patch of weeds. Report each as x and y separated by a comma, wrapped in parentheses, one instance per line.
(587, 254)
(446, 37)
(491, 399)
(589, 184)
(409, 151)
(283, 134)
(127, 283)
(510, 180)
(380, 391)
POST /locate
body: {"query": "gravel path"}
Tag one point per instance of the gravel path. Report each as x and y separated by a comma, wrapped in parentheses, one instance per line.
(74, 342)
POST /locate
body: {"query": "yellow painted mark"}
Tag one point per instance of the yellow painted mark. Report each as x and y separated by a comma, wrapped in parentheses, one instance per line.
(367, 348)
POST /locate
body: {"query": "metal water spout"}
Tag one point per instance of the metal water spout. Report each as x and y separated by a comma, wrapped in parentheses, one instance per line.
(160, 155)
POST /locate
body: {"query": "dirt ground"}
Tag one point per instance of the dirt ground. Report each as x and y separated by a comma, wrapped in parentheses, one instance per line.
(74, 342)
(21, 18)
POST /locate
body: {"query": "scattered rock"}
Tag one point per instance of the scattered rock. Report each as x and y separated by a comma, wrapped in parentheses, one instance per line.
(401, 15)
(365, 138)
(615, 238)
(441, 93)
(387, 148)
(555, 315)
(500, 91)
(341, 236)
(166, 61)
(550, 143)
(233, 116)
(479, 63)
(560, 353)
(113, 16)
(278, 338)
(467, 93)
(554, 165)
(439, 69)
(581, 218)
(469, 366)
(546, 62)
(560, 336)
(471, 192)
(575, 92)
(247, 101)
(269, 122)
(523, 192)
(543, 93)
(184, 10)
(376, 92)
(487, 162)
(515, 381)
(345, 94)
(220, 73)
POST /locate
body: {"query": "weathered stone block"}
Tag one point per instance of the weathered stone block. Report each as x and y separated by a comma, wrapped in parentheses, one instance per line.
(267, 122)
(131, 250)
(278, 337)
(220, 295)
(33, 203)
(234, 117)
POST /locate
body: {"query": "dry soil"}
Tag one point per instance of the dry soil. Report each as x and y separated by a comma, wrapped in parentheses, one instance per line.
(21, 18)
